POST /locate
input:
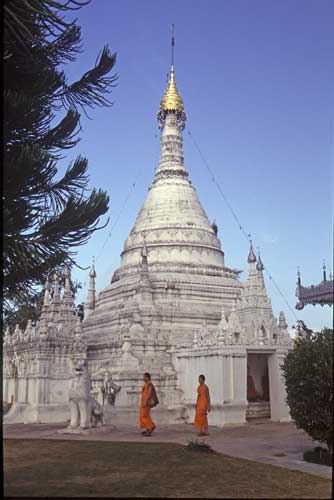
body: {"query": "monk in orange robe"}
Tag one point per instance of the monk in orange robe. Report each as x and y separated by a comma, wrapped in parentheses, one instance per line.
(145, 420)
(202, 407)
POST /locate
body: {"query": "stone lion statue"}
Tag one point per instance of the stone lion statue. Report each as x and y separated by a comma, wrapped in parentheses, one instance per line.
(86, 412)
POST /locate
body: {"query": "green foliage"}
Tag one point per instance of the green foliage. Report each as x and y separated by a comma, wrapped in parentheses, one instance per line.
(46, 215)
(308, 373)
(318, 456)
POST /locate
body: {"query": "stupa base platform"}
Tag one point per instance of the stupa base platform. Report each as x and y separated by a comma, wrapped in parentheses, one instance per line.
(161, 415)
(222, 415)
(88, 432)
(58, 413)
(51, 413)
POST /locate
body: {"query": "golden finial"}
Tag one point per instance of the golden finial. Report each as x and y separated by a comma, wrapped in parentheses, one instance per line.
(172, 100)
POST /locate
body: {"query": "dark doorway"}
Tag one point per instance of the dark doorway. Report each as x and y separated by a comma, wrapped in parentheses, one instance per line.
(257, 386)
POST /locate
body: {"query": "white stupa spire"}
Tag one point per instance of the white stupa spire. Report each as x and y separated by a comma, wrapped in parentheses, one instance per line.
(90, 302)
(67, 285)
(56, 288)
(176, 227)
(46, 292)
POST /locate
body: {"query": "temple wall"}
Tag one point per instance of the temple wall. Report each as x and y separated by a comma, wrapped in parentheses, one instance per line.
(225, 375)
(37, 378)
(32, 396)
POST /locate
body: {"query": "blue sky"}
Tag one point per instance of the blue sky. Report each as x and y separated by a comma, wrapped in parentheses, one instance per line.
(256, 78)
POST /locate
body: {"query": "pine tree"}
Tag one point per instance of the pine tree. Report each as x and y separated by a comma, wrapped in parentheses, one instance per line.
(46, 216)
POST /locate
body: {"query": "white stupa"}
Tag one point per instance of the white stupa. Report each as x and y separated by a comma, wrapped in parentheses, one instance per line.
(173, 308)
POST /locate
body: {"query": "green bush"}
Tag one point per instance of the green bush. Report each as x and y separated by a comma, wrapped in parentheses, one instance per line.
(318, 456)
(308, 374)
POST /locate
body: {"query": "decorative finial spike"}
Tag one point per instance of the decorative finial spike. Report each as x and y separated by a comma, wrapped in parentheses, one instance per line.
(171, 101)
(282, 324)
(298, 277)
(259, 265)
(324, 271)
(90, 302)
(56, 288)
(251, 256)
(92, 272)
(173, 43)
(46, 292)
(67, 286)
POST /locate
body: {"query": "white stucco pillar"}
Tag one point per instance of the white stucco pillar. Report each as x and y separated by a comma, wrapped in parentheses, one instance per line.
(21, 396)
(240, 377)
(12, 391)
(5, 388)
(235, 404)
(227, 368)
(278, 407)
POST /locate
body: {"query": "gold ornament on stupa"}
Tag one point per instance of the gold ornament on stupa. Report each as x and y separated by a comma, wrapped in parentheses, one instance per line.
(171, 102)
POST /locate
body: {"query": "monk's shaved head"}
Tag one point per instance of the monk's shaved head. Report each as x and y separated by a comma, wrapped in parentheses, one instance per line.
(202, 377)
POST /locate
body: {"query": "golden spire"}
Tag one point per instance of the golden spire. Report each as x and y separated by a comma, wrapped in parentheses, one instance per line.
(172, 100)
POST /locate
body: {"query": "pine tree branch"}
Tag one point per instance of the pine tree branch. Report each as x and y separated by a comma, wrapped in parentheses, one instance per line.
(90, 90)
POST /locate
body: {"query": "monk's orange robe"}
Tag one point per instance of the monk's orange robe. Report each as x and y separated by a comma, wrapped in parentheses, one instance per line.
(201, 419)
(145, 420)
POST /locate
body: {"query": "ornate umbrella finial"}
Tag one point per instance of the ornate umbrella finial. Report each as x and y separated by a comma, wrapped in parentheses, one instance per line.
(46, 292)
(56, 287)
(324, 270)
(259, 265)
(171, 101)
(92, 273)
(251, 255)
